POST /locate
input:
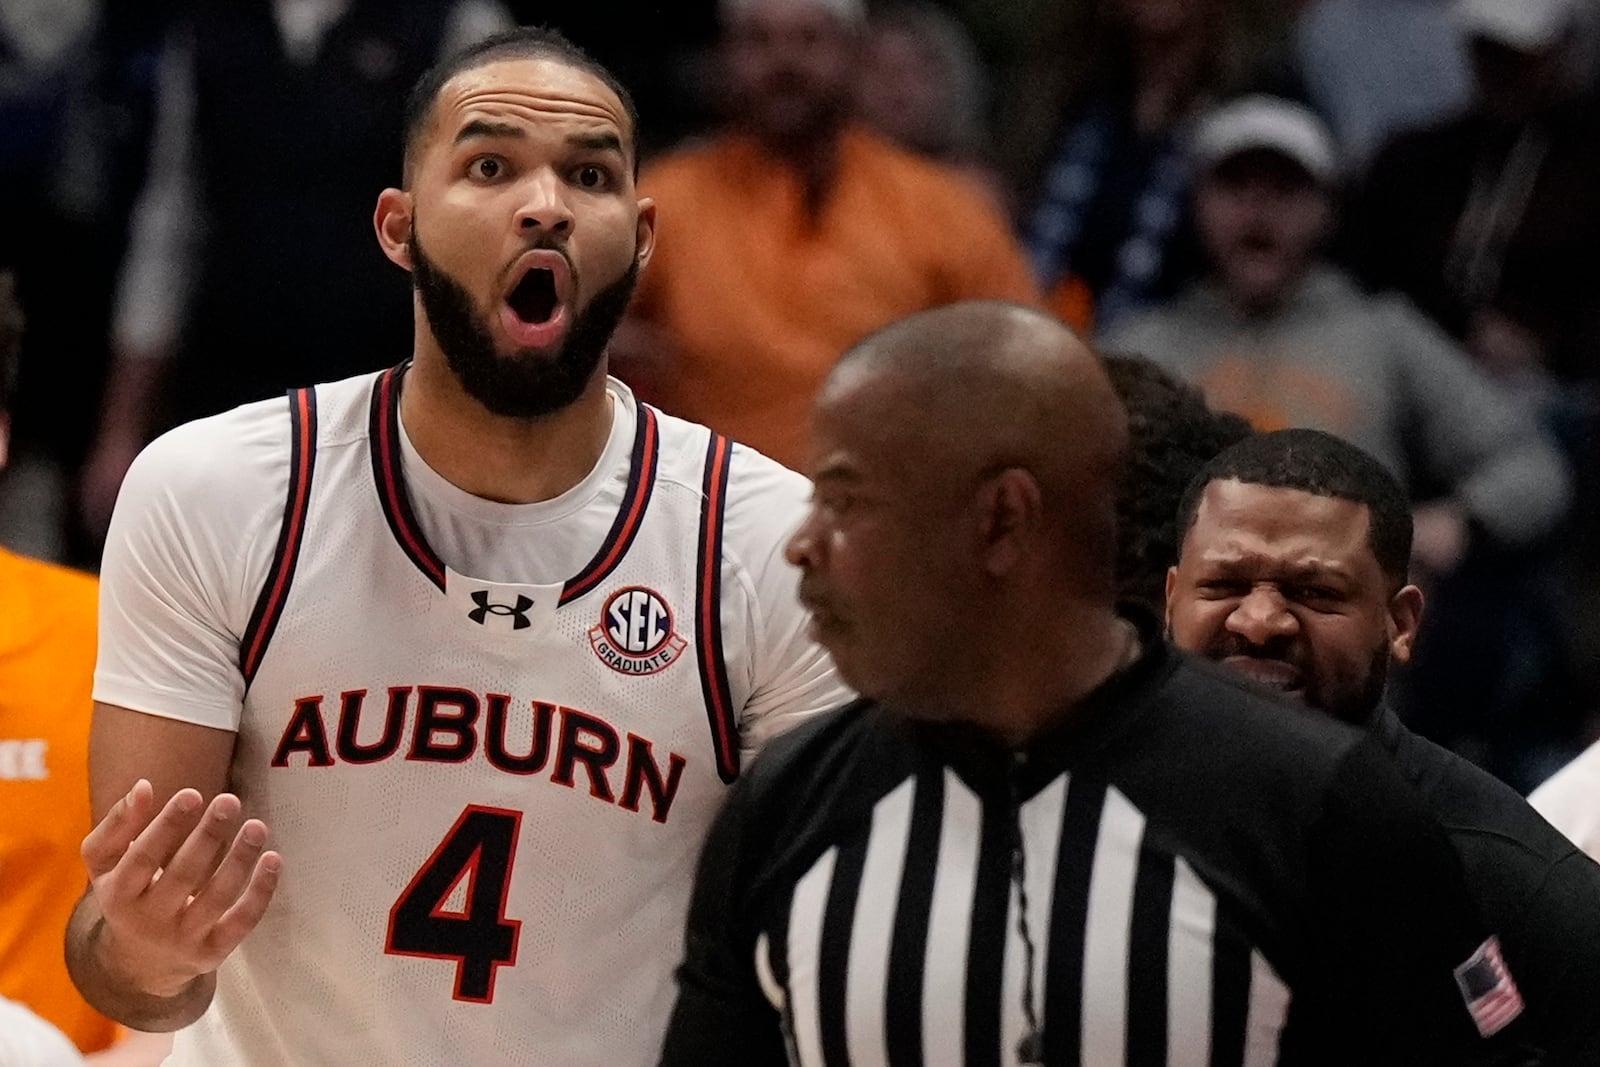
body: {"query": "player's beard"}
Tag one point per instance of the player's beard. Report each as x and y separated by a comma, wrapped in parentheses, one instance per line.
(527, 384)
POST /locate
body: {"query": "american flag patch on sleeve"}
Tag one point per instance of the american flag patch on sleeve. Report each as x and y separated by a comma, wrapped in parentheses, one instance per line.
(1488, 988)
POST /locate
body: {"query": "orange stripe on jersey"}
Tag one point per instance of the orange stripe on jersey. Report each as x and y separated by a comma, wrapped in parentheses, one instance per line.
(302, 461)
(708, 609)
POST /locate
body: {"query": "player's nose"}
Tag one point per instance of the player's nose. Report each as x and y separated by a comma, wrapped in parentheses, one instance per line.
(543, 207)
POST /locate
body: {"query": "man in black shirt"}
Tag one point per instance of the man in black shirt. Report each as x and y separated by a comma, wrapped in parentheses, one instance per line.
(1044, 836)
(1292, 570)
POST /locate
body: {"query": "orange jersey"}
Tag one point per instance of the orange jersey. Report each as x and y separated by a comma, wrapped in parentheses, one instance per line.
(47, 649)
(760, 299)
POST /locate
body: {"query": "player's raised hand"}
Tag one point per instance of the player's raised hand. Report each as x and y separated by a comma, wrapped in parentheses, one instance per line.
(177, 891)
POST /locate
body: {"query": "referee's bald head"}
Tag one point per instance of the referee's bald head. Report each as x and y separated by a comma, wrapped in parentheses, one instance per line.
(965, 463)
(971, 390)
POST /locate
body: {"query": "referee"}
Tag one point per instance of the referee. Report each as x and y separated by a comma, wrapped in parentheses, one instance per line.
(1045, 836)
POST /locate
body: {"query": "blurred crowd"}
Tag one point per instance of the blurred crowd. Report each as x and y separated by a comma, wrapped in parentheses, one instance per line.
(1372, 217)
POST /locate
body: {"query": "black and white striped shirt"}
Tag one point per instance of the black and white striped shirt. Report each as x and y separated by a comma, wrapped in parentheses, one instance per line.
(1212, 879)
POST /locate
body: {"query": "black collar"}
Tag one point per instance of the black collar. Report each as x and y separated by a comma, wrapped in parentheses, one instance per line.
(1093, 723)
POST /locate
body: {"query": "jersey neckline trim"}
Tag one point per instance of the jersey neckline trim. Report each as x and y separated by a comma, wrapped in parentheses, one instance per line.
(395, 500)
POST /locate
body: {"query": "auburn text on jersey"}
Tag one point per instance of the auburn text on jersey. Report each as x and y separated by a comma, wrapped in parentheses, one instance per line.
(445, 724)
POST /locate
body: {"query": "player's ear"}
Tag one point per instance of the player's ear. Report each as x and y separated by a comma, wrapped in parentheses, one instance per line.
(392, 221)
(1405, 616)
(1011, 511)
(645, 240)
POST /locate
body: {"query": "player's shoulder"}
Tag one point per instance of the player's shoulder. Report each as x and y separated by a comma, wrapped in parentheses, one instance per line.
(238, 448)
(208, 487)
(760, 498)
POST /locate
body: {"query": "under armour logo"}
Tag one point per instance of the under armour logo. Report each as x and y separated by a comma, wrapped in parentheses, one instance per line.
(518, 611)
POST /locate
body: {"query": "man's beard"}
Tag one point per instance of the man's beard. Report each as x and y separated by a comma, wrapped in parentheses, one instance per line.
(527, 384)
(1354, 703)
(1358, 705)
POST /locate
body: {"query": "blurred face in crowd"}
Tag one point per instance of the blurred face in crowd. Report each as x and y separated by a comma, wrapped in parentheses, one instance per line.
(904, 92)
(1283, 586)
(791, 69)
(522, 229)
(881, 573)
(1262, 219)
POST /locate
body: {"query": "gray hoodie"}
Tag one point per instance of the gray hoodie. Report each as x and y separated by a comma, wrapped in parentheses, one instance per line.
(1376, 372)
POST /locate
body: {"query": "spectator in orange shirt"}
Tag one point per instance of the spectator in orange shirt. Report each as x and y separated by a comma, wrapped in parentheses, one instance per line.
(796, 233)
(47, 649)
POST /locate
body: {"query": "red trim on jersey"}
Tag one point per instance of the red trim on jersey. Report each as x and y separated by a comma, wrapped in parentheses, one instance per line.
(275, 593)
(708, 609)
(630, 516)
(385, 444)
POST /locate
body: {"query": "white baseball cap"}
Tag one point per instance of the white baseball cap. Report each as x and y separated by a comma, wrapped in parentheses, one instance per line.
(1526, 25)
(851, 12)
(1270, 123)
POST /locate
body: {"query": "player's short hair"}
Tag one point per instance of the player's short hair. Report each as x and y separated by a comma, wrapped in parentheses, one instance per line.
(1172, 434)
(521, 42)
(11, 325)
(1323, 465)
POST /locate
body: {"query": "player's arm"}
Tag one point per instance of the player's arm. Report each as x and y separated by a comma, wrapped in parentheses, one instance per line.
(1392, 924)
(722, 1018)
(177, 877)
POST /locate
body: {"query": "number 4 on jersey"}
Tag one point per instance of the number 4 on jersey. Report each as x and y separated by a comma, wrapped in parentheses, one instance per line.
(477, 852)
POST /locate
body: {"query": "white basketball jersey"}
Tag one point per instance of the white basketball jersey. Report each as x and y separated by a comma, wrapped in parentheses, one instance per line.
(489, 797)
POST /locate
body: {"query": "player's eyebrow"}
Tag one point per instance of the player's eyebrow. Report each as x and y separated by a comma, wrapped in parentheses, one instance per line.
(596, 142)
(485, 128)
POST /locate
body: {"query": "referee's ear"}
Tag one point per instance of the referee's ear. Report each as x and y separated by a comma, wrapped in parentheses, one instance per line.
(1011, 518)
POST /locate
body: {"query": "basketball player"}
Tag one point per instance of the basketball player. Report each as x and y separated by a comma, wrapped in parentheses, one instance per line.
(476, 643)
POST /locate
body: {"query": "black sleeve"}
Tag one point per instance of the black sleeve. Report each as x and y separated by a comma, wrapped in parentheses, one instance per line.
(1392, 919)
(722, 1018)
(1561, 926)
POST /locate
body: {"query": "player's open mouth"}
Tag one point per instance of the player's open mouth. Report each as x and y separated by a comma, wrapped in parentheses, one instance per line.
(534, 312)
(534, 298)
